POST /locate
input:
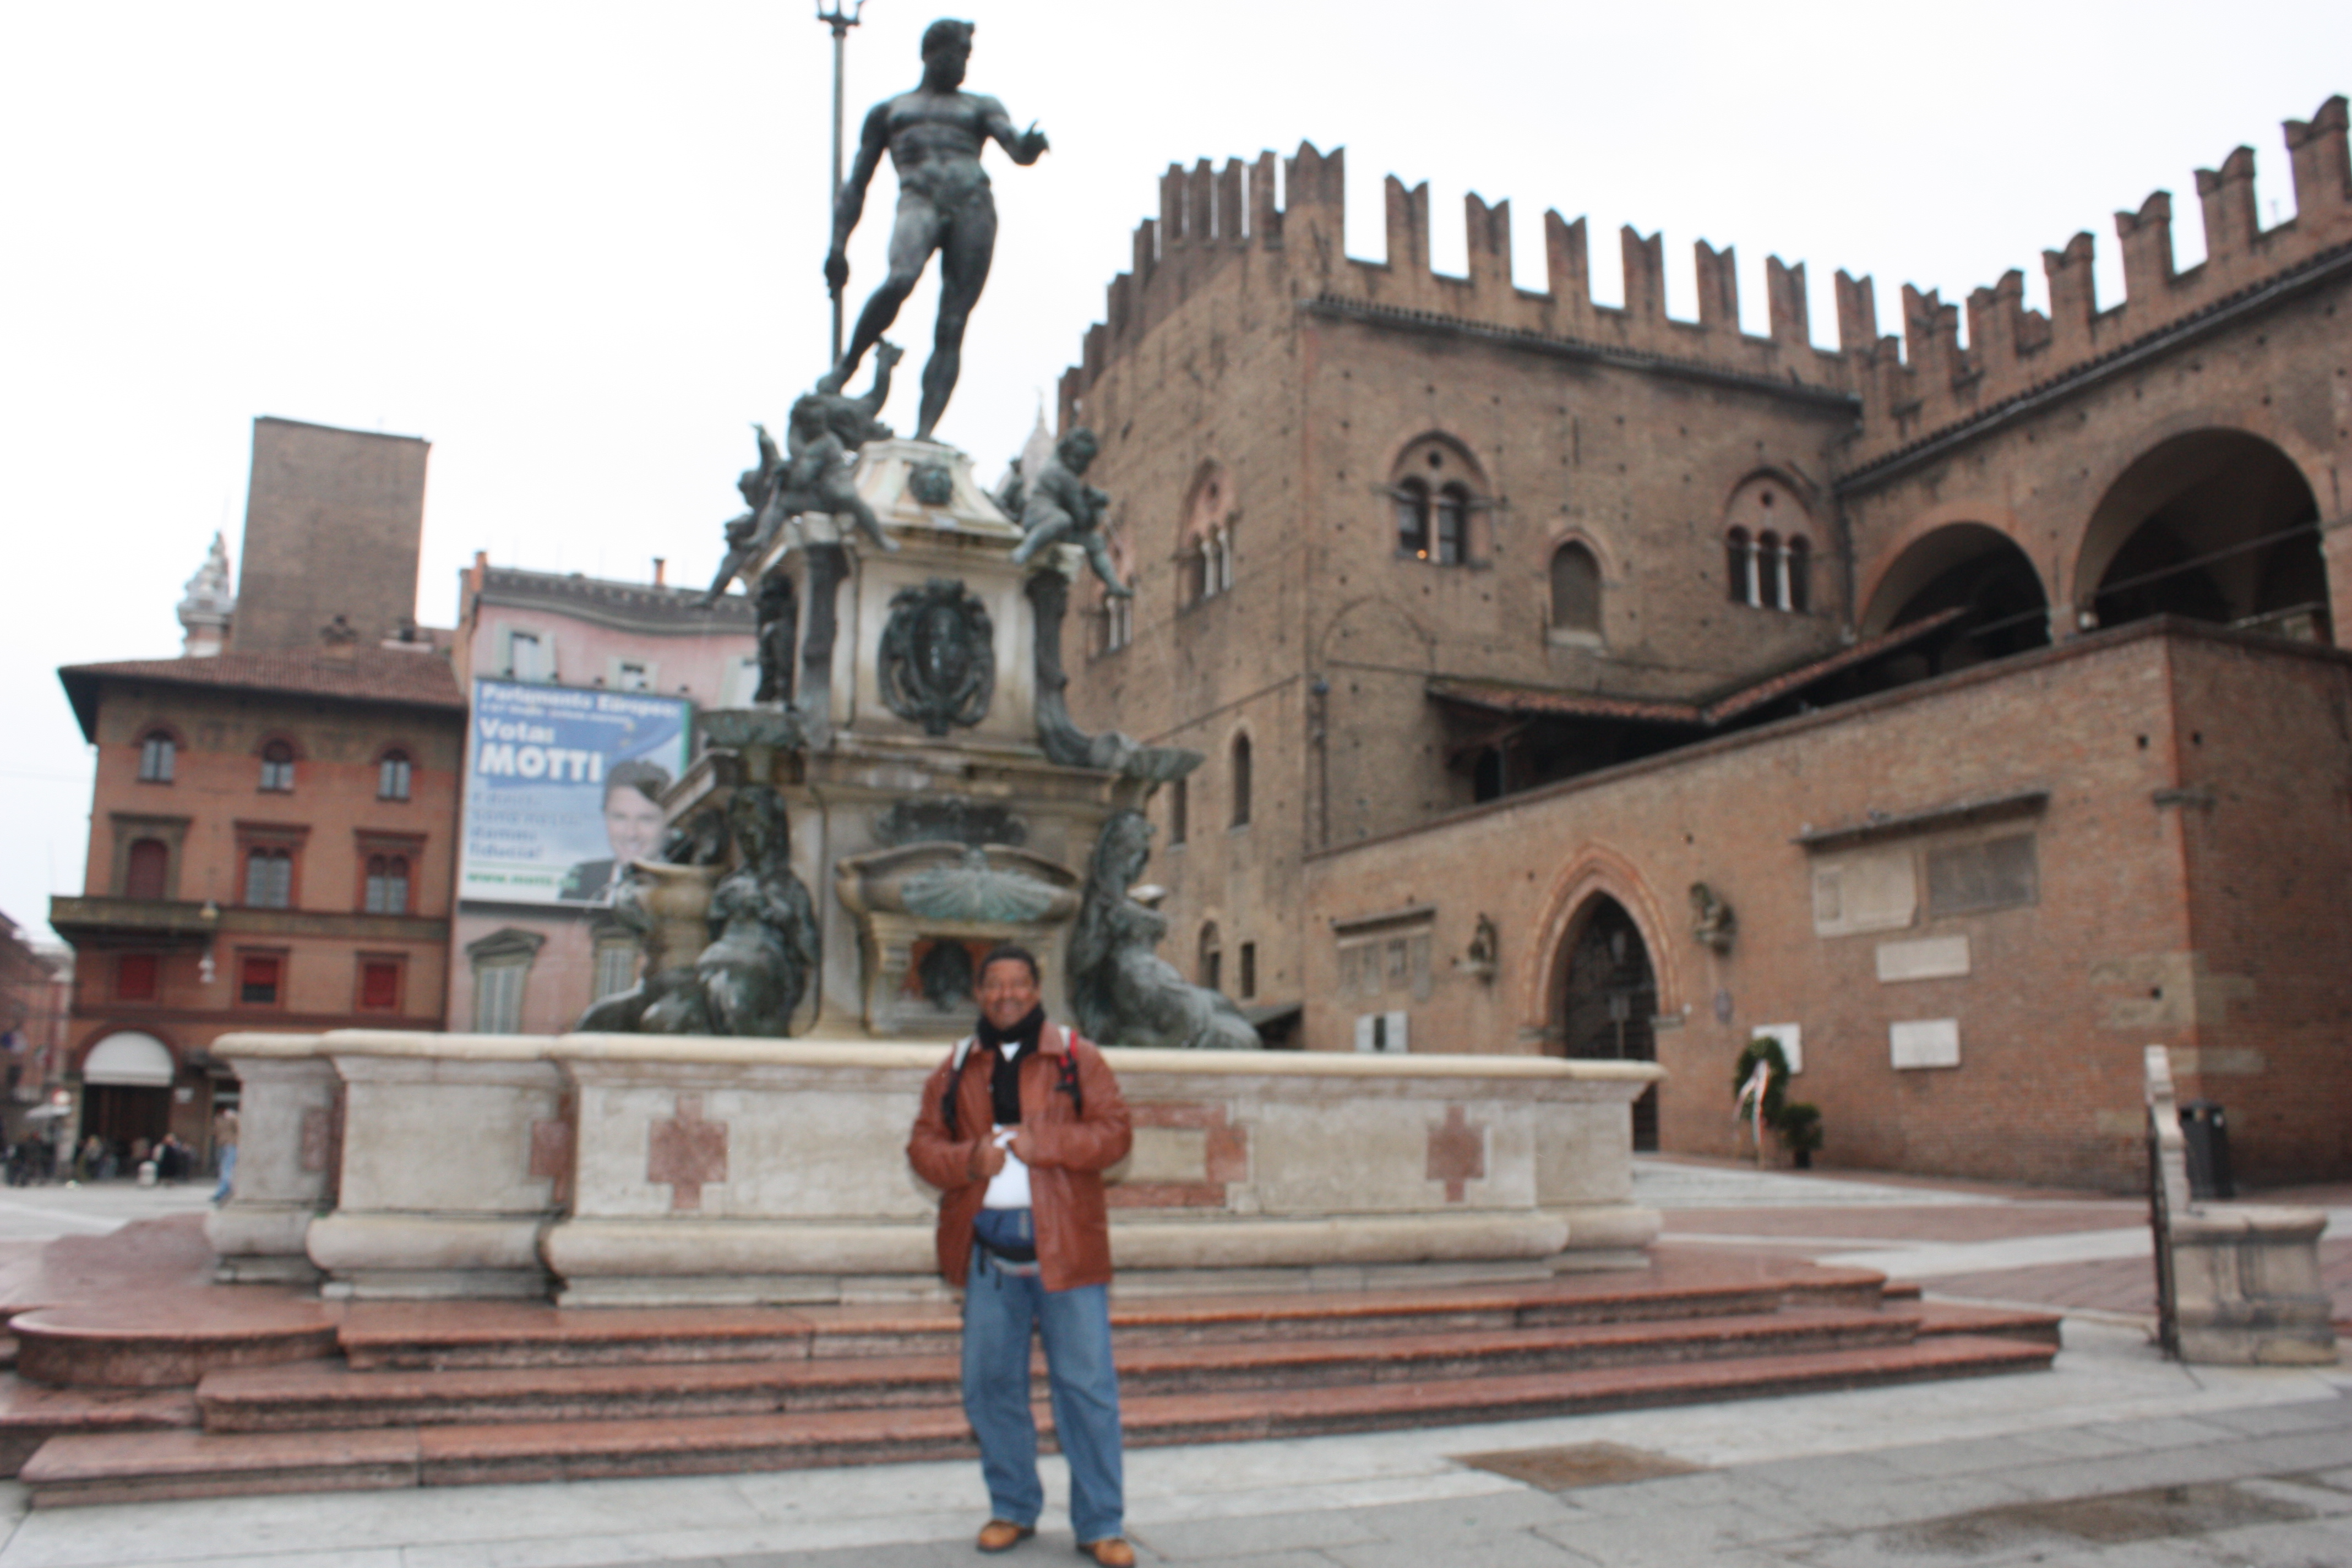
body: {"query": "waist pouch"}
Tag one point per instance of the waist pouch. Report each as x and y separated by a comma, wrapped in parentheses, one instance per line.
(1009, 1234)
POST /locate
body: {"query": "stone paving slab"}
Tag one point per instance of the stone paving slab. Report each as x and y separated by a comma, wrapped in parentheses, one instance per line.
(1973, 1475)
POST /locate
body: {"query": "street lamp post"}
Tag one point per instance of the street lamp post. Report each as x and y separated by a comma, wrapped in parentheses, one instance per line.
(841, 18)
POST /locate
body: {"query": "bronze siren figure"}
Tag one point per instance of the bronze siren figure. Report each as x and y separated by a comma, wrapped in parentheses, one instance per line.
(934, 135)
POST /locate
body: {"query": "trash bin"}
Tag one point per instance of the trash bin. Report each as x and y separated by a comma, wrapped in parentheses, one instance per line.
(2205, 1129)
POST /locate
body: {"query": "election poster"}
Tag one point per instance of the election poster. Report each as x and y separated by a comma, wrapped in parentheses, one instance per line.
(563, 789)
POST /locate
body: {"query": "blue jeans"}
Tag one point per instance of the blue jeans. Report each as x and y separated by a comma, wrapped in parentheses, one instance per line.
(1000, 1310)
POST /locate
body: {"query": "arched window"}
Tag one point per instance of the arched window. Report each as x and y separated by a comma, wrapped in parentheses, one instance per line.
(1205, 555)
(387, 885)
(1213, 958)
(277, 767)
(1575, 589)
(147, 871)
(1438, 493)
(1767, 561)
(1179, 813)
(392, 776)
(1241, 781)
(157, 753)
(1412, 517)
(269, 878)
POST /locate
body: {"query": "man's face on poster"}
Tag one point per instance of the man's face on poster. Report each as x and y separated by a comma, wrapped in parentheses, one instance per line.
(633, 825)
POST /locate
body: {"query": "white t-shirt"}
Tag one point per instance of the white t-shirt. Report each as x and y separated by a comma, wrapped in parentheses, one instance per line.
(1009, 1188)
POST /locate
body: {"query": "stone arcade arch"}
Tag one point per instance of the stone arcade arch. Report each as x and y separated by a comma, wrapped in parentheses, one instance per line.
(2215, 524)
(1971, 567)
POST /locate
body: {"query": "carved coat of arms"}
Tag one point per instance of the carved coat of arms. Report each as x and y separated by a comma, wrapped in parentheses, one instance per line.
(938, 656)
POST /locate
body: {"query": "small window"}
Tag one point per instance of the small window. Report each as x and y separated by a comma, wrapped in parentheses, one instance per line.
(259, 978)
(1575, 589)
(387, 885)
(1249, 970)
(278, 766)
(617, 967)
(526, 656)
(380, 985)
(1118, 623)
(1241, 781)
(269, 878)
(1413, 519)
(147, 870)
(1179, 813)
(1739, 566)
(1452, 526)
(1213, 958)
(1797, 575)
(392, 776)
(1766, 593)
(157, 753)
(497, 997)
(136, 976)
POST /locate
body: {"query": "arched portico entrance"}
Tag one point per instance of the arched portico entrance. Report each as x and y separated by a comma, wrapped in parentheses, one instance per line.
(1608, 996)
(1970, 567)
(2216, 525)
(127, 1089)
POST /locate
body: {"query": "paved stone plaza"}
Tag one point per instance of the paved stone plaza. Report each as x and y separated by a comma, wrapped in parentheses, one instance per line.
(2116, 1456)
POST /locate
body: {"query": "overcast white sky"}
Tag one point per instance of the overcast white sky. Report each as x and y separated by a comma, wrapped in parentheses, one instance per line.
(576, 244)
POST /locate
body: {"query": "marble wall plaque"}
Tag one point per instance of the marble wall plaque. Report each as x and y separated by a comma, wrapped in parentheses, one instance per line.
(1924, 1043)
(1927, 958)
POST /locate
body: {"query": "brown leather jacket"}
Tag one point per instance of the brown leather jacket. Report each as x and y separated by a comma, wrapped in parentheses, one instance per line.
(1073, 1151)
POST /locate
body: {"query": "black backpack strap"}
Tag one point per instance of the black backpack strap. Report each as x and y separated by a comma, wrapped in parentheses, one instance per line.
(955, 1081)
(1069, 1084)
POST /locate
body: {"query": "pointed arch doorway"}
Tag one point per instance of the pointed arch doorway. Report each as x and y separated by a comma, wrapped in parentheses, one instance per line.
(1608, 997)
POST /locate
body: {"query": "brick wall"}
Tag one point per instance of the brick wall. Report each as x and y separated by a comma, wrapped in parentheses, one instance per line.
(2123, 944)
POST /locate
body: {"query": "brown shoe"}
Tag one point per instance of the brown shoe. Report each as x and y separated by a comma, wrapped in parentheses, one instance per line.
(1111, 1552)
(1003, 1535)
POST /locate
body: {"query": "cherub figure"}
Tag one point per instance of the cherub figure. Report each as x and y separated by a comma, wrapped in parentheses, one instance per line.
(1061, 508)
(818, 478)
(811, 479)
(852, 419)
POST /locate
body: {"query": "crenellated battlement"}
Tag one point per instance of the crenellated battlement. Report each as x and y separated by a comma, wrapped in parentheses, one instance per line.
(1910, 385)
(1212, 219)
(1922, 383)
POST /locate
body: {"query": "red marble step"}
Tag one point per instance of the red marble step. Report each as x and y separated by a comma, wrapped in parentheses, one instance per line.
(535, 1333)
(329, 1394)
(144, 1467)
(139, 1466)
(31, 1414)
(518, 1333)
(1991, 1322)
(165, 1343)
(1288, 1412)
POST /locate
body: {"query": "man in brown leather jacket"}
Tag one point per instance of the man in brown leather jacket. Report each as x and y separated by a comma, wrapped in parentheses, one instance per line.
(1015, 1129)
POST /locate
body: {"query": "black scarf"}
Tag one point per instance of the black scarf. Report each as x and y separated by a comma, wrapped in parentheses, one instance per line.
(1005, 1082)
